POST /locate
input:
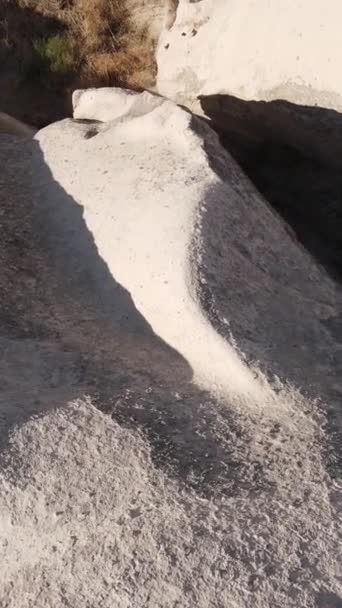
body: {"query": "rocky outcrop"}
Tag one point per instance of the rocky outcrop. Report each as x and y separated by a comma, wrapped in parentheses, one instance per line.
(259, 71)
(161, 285)
(253, 50)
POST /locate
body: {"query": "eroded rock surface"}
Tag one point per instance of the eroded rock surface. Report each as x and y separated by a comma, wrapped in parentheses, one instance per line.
(171, 356)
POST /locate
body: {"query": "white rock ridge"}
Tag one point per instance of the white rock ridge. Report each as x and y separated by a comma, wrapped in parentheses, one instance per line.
(156, 231)
(217, 243)
(166, 290)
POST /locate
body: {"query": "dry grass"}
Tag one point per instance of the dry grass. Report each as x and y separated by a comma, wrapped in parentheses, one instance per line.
(107, 47)
(65, 44)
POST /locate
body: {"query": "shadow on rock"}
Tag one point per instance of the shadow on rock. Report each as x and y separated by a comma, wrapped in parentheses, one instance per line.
(278, 282)
(293, 154)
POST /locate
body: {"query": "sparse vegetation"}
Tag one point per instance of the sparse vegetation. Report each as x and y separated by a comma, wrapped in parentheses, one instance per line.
(56, 53)
(54, 46)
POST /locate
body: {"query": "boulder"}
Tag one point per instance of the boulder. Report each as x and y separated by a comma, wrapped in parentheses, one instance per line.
(161, 217)
(10, 125)
(254, 51)
(258, 70)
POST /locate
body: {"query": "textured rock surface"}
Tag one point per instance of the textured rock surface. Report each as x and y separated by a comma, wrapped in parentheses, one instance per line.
(142, 268)
(253, 50)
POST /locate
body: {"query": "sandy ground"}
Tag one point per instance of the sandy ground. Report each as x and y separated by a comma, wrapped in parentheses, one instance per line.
(169, 360)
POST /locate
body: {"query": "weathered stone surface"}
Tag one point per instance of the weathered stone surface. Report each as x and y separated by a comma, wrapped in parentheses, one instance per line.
(142, 269)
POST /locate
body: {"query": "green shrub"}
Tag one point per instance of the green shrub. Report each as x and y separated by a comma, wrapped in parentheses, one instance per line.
(51, 61)
(55, 53)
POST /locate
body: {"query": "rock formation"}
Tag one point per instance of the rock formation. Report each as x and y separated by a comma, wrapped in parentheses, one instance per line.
(253, 50)
(172, 358)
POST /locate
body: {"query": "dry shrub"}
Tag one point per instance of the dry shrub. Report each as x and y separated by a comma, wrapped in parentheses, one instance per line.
(130, 66)
(71, 44)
